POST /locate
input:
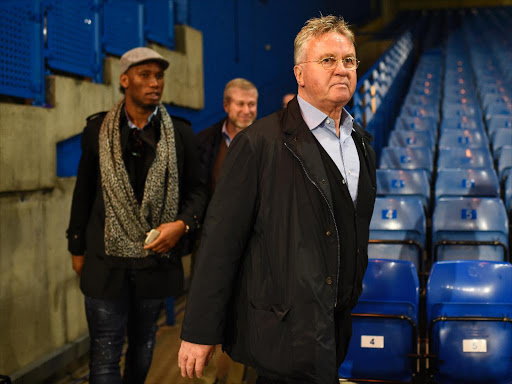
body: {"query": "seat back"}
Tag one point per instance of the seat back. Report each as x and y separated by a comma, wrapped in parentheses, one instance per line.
(384, 323)
(502, 137)
(404, 182)
(498, 121)
(505, 162)
(508, 195)
(464, 158)
(461, 123)
(462, 138)
(398, 230)
(463, 297)
(467, 182)
(410, 123)
(466, 228)
(402, 138)
(407, 158)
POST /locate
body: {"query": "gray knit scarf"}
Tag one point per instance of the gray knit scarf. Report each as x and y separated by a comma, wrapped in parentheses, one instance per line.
(127, 221)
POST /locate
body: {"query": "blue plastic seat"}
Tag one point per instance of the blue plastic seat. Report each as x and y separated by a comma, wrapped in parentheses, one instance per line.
(460, 110)
(467, 182)
(498, 109)
(499, 121)
(415, 110)
(465, 228)
(508, 195)
(398, 230)
(404, 183)
(505, 162)
(462, 138)
(407, 158)
(502, 137)
(384, 324)
(461, 123)
(475, 158)
(469, 313)
(409, 123)
(402, 138)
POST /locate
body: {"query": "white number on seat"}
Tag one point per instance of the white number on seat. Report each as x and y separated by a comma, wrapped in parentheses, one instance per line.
(372, 341)
(474, 345)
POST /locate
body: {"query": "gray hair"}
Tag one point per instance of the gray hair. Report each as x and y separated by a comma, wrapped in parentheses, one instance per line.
(318, 26)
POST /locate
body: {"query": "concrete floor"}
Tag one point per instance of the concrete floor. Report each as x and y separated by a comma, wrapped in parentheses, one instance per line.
(164, 368)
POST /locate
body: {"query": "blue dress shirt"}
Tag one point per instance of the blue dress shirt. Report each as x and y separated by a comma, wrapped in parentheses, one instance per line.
(342, 150)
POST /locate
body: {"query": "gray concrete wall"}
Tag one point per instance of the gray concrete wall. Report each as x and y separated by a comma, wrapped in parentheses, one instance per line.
(41, 306)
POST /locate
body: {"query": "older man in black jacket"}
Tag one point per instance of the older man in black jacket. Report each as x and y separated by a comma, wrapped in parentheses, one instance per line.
(139, 171)
(284, 246)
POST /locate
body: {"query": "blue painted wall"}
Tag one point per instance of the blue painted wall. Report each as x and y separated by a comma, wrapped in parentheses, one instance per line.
(254, 39)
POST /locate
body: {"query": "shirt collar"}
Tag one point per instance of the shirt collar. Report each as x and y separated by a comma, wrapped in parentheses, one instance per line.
(225, 133)
(133, 126)
(315, 118)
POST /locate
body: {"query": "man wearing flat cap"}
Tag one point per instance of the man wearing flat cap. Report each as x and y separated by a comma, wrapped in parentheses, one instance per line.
(139, 171)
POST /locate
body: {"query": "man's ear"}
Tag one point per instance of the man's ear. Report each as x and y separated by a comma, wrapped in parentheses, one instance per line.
(225, 104)
(297, 70)
(124, 80)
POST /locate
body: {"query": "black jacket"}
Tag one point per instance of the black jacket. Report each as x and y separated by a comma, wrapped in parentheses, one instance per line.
(208, 143)
(265, 280)
(104, 276)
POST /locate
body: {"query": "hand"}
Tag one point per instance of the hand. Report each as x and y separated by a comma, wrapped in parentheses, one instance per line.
(78, 263)
(194, 357)
(170, 234)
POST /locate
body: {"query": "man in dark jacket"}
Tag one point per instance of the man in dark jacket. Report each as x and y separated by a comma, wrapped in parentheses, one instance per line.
(240, 102)
(284, 245)
(139, 171)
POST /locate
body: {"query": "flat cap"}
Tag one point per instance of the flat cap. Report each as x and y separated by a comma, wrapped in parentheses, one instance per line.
(140, 55)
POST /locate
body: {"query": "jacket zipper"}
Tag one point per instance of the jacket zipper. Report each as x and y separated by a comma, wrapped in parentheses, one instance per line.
(332, 214)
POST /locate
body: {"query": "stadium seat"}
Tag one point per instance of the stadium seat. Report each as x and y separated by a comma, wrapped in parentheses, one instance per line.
(505, 162)
(402, 138)
(404, 183)
(398, 230)
(460, 110)
(502, 137)
(475, 158)
(508, 196)
(417, 124)
(421, 111)
(499, 121)
(462, 138)
(384, 330)
(461, 123)
(465, 228)
(407, 158)
(469, 314)
(467, 182)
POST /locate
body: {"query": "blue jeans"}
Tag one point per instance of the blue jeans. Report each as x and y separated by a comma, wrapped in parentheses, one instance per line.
(109, 321)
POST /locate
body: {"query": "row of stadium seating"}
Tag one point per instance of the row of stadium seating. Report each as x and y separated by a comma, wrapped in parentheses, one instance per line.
(442, 212)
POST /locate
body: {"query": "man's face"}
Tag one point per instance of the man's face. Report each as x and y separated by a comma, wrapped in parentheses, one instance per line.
(323, 88)
(242, 107)
(144, 84)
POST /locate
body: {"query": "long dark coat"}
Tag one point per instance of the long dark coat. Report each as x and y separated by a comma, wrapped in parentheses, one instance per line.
(265, 281)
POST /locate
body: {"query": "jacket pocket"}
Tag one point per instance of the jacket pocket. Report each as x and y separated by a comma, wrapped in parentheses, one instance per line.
(270, 344)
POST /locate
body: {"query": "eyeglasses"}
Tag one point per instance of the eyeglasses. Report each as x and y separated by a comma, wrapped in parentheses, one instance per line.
(329, 63)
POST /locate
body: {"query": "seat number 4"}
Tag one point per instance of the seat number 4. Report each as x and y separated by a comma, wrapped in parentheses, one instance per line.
(372, 341)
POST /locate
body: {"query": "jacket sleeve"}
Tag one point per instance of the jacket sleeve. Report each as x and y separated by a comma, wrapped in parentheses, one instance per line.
(84, 193)
(193, 193)
(228, 226)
